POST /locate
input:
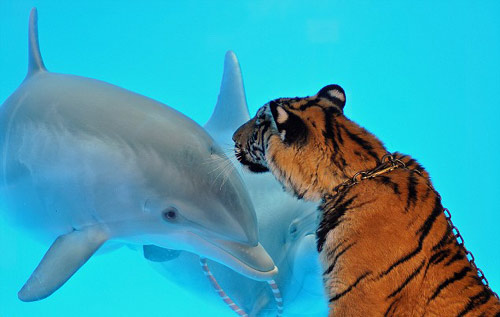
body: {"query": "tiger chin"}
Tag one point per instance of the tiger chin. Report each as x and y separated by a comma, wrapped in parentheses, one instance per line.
(384, 242)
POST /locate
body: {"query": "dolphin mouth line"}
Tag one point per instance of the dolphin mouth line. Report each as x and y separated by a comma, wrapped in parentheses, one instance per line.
(226, 253)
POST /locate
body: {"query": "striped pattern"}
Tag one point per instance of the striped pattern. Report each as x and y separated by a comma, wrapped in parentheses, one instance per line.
(385, 244)
(277, 296)
(229, 302)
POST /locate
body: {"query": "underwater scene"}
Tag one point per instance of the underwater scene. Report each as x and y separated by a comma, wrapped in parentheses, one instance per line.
(120, 190)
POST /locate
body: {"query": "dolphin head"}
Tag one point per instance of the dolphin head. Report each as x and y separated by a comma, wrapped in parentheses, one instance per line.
(197, 202)
(205, 193)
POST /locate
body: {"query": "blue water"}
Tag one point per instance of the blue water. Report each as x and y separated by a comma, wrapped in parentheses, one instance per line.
(424, 77)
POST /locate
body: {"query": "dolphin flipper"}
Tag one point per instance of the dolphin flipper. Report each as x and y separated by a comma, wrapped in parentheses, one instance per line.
(66, 255)
(154, 253)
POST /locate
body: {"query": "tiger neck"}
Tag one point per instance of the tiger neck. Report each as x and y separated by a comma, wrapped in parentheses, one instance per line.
(344, 150)
(353, 149)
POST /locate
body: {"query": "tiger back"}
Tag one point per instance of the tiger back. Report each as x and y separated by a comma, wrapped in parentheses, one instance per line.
(386, 247)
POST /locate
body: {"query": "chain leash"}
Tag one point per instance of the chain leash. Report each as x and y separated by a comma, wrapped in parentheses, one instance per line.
(468, 254)
(390, 163)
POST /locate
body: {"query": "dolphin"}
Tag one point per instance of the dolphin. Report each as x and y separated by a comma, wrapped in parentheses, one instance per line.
(84, 162)
(286, 230)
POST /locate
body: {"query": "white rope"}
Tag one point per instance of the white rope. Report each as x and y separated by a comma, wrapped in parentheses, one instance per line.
(229, 302)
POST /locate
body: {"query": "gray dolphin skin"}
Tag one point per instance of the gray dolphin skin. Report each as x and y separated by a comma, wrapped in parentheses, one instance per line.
(286, 229)
(83, 162)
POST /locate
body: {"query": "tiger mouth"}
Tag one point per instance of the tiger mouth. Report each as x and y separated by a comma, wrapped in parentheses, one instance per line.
(251, 166)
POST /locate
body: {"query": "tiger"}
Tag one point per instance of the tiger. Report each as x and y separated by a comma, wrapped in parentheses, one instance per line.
(384, 242)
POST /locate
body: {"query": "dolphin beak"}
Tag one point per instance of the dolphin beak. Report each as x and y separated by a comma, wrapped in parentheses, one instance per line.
(251, 261)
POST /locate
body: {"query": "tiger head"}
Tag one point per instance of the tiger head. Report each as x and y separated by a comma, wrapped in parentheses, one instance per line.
(307, 143)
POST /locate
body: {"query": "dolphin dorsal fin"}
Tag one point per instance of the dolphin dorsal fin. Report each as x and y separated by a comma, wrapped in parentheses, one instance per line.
(231, 109)
(35, 62)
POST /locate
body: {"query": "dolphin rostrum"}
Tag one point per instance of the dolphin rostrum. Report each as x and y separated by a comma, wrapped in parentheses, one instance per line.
(83, 162)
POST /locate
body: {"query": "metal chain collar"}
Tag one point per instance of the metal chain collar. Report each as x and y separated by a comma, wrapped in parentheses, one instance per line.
(390, 163)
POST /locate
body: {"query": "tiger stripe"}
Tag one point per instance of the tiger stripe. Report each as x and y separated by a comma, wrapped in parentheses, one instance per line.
(337, 256)
(476, 301)
(390, 308)
(457, 276)
(349, 288)
(446, 239)
(408, 280)
(439, 256)
(459, 255)
(363, 143)
(412, 192)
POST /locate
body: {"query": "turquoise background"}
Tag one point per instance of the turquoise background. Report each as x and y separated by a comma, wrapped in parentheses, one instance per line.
(424, 77)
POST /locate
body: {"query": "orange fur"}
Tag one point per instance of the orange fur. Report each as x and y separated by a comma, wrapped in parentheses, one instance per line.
(385, 244)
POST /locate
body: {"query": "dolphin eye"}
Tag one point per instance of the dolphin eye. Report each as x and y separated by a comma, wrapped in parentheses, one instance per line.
(170, 214)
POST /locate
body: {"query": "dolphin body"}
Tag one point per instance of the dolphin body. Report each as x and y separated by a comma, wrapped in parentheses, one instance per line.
(286, 230)
(83, 162)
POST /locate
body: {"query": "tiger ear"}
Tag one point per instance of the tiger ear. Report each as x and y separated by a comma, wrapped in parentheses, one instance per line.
(290, 126)
(335, 94)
